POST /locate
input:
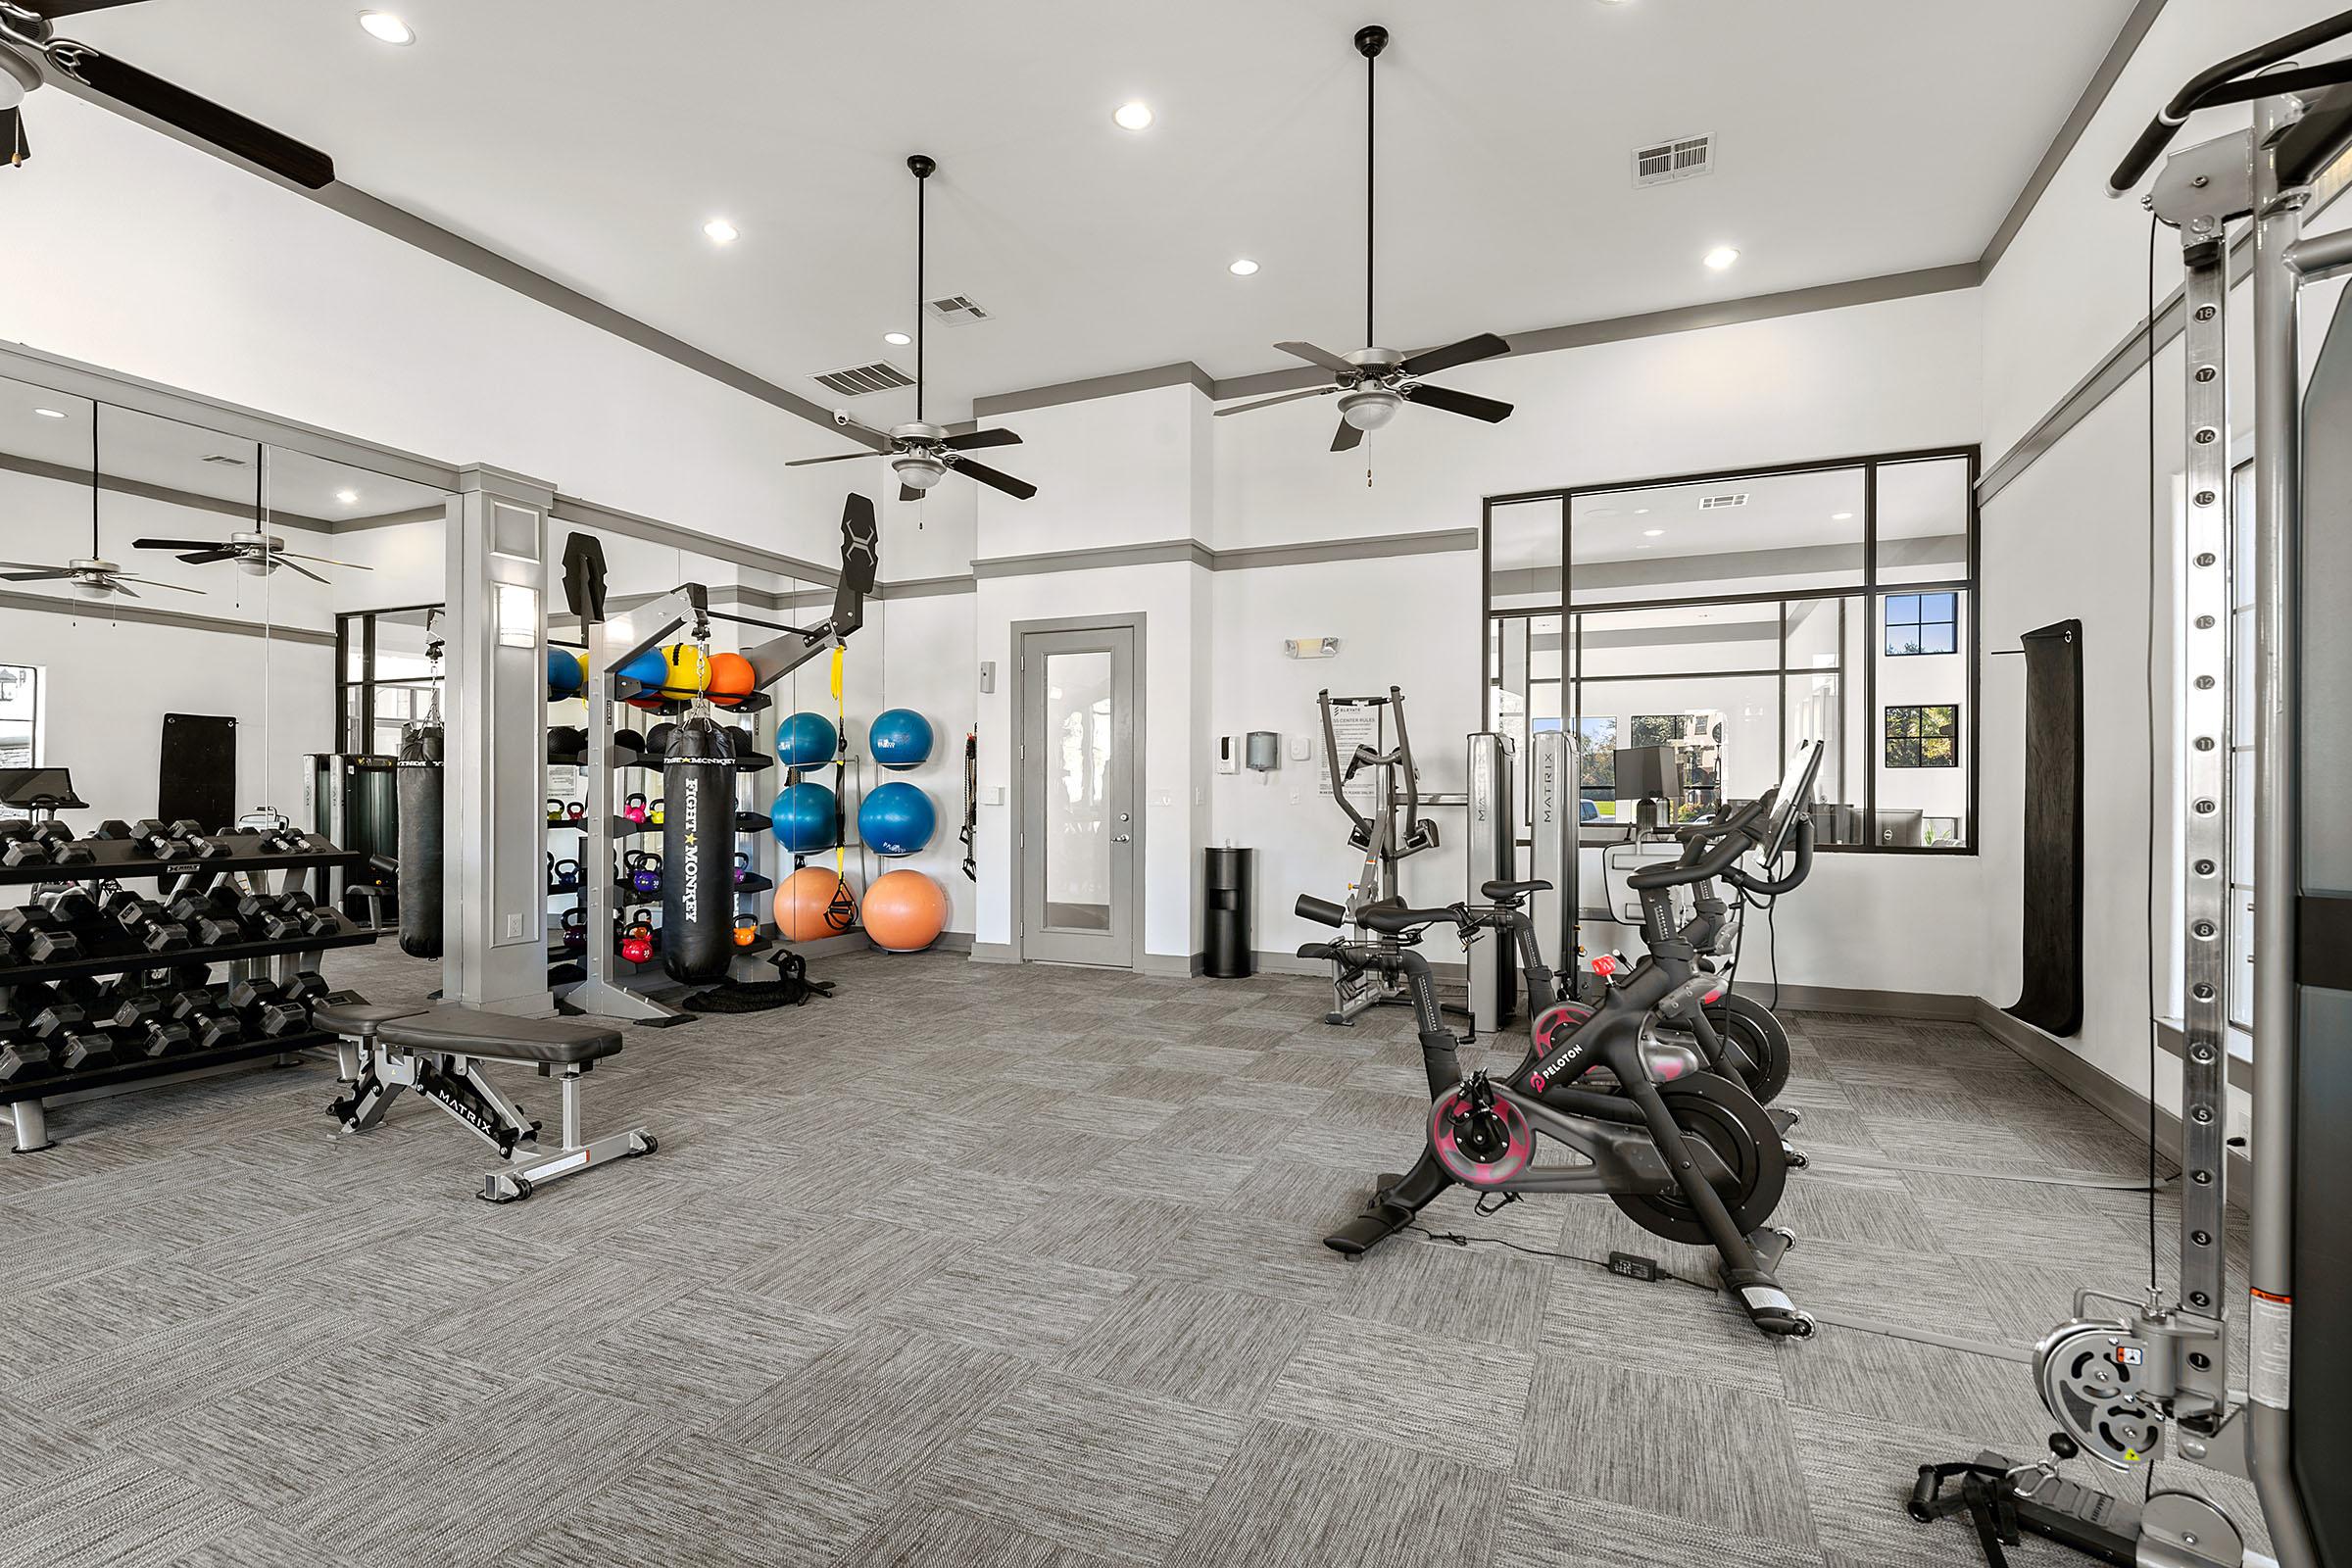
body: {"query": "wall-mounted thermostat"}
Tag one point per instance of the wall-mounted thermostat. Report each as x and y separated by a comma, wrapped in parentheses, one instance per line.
(1263, 751)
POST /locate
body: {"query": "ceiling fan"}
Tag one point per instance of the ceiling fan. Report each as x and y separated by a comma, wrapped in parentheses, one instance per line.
(1373, 383)
(92, 574)
(27, 36)
(257, 551)
(920, 454)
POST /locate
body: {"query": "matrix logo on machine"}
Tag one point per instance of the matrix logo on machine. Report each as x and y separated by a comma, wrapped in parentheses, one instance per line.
(690, 886)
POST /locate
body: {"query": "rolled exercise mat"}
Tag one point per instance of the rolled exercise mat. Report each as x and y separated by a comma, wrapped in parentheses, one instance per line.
(697, 851)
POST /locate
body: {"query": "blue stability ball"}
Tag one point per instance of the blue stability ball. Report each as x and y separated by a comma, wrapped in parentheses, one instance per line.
(806, 739)
(647, 668)
(896, 819)
(900, 738)
(563, 673)
(804, 818)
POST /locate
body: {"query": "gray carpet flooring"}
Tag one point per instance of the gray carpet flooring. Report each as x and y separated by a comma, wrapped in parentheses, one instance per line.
(998, 1266)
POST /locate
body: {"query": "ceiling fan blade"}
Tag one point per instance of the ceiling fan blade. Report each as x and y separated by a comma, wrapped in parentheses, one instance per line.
(152, 582)
(838, 457)
(279, 558)
(199, 117)
(115, 585)
(1346, 437)
(1428, 362)
(1268, 402)
(1018, 489)
(1452, 402)
(38, 574)
(907, 492)
(177, 544)
(974, 440)
(205, 557)
(324, 561)
(1314, 355)
(54, 10)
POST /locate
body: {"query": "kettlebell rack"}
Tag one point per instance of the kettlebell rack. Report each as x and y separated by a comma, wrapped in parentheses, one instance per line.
(32, 1081)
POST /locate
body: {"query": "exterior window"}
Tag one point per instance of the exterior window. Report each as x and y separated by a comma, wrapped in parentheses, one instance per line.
(1922, 624)
(20, 716)
(1923, 737)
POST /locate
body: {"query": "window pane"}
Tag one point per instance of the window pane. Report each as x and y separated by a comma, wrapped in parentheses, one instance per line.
(1680, 640)
(1923, 762)
(1724, 730)
(1758, 534)
(1524, 539)
(1596, 769)
(1923, 520)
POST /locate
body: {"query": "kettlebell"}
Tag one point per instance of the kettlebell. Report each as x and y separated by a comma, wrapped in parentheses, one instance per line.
(633, 807)
(576, 930)
(637, 945)
(746, 930)
(652, 812)
(576, 811)
(567, 873)
(555, 811)
(646, 876)
(743, 868)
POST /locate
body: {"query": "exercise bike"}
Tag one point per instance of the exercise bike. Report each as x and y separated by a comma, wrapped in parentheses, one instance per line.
(1686, 1154)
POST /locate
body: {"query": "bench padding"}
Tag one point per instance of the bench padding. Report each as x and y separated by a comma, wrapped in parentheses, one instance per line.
(360, 1021)
(501, 1037)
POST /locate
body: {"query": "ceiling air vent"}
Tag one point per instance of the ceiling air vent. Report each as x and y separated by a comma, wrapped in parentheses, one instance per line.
(1735, 498)
(859, 379)
(1682, 157)
(954, 310)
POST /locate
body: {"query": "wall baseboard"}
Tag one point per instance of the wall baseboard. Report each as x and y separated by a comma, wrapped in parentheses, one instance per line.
(1926, 1005)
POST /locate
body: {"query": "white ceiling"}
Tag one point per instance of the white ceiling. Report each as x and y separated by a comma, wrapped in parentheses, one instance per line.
(589, 139)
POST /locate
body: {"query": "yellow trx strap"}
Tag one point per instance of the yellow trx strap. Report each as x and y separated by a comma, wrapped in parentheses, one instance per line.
(843, 913)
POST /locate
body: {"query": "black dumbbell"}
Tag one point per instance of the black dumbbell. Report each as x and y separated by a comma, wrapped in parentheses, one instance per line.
(157, 839)
(147, 925)
(308, 987)
(50, 1014)
(70, 907)
(85, 1050)
(23, 1058)
(203, 920)
(24, 850)
(113, 830)
(314, 921)
(64, 848)
(126, 1007)
(266, 1013)
(211, 1030)
(42, 937)
(158, 1037)
(265, 913)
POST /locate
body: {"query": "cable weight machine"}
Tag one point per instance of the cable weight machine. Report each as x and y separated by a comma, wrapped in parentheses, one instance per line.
(1387, 831)
(2152, 1381)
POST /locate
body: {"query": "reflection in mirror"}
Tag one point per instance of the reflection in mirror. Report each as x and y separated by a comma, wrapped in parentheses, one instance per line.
(1758, 533)
(1923, 520)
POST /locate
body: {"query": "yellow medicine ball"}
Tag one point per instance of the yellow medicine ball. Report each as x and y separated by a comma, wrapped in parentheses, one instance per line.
(686, 670)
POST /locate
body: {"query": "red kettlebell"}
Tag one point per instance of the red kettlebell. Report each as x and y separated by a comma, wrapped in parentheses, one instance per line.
(746, 930)
(576, 811)
(638, 944)
(634, 808)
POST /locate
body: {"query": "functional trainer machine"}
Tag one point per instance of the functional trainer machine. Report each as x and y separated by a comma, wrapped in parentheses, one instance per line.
(2152, 1380)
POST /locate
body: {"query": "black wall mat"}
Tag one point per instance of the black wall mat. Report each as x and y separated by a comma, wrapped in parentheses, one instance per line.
(2051, 921)
(199, 770)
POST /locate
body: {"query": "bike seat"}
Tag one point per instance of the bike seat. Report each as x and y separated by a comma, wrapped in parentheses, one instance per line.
(1393, 919)
(1497, 892)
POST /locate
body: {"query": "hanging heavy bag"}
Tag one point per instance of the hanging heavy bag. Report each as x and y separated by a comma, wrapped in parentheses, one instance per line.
(697, 851)
(418, 884)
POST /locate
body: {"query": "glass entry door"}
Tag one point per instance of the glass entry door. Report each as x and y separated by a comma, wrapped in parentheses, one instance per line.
(1078, 818)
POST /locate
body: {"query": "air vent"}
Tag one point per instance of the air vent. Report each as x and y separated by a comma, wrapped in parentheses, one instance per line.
(1735, 498)
(857, 381)
(954, 310)
(1683, 158)
(228, 462)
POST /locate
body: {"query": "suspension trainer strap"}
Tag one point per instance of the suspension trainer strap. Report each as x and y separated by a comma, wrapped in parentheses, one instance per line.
(971, 799)
(842, 913)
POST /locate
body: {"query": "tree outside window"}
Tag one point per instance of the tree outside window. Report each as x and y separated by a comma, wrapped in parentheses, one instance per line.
(1926, 736)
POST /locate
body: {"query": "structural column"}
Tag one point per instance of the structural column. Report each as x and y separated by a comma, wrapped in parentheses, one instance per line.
(494, 866)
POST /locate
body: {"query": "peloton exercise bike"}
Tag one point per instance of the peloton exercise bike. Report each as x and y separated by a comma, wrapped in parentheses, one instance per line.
(1385, 833)
(1686, 1154)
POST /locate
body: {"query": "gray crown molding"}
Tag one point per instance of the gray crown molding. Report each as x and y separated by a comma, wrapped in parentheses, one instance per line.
(117, 486)
(116, 610)
(631, 526)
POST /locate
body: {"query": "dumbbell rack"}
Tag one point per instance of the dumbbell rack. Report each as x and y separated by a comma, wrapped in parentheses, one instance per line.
(27, 1100)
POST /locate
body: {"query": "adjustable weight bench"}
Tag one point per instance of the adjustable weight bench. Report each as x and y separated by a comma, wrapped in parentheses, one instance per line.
(437, 1051)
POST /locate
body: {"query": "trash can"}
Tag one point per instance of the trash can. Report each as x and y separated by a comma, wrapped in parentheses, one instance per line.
(1228, 884)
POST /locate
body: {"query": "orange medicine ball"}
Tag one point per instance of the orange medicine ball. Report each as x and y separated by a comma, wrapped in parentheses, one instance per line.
(731, 679)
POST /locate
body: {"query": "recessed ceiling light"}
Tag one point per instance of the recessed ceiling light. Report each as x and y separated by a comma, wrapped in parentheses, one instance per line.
(896, 339)
(1841, 516)
(1135, 115)
(50, 414)
(1720, 257)
(1654, 533)
(1243, 268)
(385, 27)
(349, 498)
(722, 231)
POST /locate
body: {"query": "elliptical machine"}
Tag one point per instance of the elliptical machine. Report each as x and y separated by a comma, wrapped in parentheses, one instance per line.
(1385, 841)
(1683, 1152)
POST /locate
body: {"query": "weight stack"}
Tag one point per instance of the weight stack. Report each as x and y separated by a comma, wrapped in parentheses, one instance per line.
(697, 851)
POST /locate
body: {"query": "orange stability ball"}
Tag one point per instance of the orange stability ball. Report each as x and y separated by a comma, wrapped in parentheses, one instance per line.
(805, 906)
(905, 911)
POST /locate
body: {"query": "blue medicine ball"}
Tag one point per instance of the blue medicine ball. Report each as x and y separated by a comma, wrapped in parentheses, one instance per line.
(806, 739)
(896, 819)
(647, 668)
(804, 818)
(900, 738)
(563, 672)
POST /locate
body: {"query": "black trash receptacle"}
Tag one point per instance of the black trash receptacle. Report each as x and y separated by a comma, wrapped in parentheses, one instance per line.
(1229, 885)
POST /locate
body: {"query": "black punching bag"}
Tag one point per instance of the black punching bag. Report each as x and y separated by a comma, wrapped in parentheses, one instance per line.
(419, 885)
(697, 851)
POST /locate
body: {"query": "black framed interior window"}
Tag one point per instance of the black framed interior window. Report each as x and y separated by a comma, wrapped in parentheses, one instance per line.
(1925, 735)
(1922, 624)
